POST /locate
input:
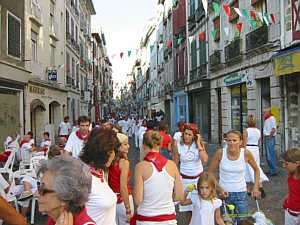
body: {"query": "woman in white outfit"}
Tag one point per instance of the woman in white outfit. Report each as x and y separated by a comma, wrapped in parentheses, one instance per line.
(251, 139)
(191, 153)
(156, 185)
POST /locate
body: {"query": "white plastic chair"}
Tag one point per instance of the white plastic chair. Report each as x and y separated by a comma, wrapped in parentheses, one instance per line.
(9, 164)
(10, 196)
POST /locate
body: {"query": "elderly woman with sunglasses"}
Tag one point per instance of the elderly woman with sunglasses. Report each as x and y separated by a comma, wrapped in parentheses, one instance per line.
(191, 153)
(64, 189)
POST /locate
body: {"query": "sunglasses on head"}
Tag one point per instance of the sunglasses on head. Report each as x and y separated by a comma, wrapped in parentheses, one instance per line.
(42, 190)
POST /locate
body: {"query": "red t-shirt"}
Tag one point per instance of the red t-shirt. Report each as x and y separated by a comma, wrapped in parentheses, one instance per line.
(81, 219)
(293, 200)
(114, 180)
(166, 139)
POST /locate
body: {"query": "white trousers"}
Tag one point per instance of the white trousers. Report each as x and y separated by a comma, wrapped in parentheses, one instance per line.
(291, 220)
(136, 140)
(121, 212)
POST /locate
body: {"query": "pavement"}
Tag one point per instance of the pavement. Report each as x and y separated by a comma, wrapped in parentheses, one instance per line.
(276, 190)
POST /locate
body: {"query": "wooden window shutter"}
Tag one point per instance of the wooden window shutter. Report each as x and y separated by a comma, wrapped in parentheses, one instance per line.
(233, 14)
(194, 55)
(217, 28)
(14, 37)
(202, 52)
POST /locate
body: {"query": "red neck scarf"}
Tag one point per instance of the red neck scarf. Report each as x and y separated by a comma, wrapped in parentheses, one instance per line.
(48, 139)
(268, 116)
(157, 159)
(23, 142)
(95, 173)
(79, 135)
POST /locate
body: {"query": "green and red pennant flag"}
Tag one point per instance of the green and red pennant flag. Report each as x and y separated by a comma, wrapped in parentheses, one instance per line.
(129, 53)
(273, 17)
(227, 10)
(169, 44)
(252, 22)
(121, 54)
(82, 62)
(179, 40)
(239, 27)
(253, 15)
(216, 8)
(214, 32)
(202, 36)
(245, 13)
(151, 48)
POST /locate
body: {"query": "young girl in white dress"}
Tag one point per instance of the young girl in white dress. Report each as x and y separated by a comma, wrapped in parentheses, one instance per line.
(206, 205)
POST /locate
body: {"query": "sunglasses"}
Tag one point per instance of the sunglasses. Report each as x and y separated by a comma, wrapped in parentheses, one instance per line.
(42, 190)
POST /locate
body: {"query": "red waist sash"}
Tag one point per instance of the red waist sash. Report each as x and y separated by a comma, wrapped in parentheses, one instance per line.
(190, 177)
(159, 218)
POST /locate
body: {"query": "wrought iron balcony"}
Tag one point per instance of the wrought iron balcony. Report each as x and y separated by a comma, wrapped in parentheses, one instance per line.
(166, 53)
(180, 82)
(202, 70)
(69, 81)
(257, 38)
(199, 13)
(233, 50)
(193, 75)
(215, 59)
(191, 25)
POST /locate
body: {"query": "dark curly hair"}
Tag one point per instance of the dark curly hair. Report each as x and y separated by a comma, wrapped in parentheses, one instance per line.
(98, 147)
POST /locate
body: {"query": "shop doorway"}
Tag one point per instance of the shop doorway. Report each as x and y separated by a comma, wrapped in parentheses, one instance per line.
(55, 116)
(37, 121)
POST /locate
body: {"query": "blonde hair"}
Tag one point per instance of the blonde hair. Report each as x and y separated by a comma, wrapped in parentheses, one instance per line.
(251, 120)
(152, 139)
(236, 132)
(210, 181)
(121, 137)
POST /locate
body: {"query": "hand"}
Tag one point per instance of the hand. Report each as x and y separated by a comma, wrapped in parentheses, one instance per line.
(224, 194)
(255, 192)
(128, 215)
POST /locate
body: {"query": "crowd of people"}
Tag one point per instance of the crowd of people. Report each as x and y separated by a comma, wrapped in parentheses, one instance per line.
(85, 178)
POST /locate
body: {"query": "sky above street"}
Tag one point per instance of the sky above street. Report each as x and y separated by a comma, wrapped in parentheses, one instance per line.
(122, 23)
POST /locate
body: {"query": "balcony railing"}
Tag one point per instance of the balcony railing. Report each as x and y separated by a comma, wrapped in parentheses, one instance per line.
(166, 53)
(199, 13)
(202, 70)
(215, 59)
(69, 81)
(180, 82)
(36, 11)
(233, 50)
(193, 75)
(257, 38)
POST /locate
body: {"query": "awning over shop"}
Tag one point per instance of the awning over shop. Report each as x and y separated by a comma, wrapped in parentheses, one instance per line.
(287, 62)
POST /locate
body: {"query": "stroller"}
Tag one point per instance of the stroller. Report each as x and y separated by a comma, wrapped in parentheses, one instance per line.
(258, 218)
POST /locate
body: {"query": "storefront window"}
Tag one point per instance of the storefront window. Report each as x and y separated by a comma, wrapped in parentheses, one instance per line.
(293, 100)
(239, 107)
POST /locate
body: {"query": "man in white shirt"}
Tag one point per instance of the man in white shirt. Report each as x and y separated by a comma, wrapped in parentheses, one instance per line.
(45, 145)
(77, 139)
(64, 128)
(269, 132)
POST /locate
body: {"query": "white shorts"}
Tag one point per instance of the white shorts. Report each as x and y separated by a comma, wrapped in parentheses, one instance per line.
(291, 220)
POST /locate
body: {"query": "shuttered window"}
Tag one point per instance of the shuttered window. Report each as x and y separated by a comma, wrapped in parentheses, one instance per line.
(192, 7)
(202, 51)
(14, 36)
(194, 55)
(217, 28)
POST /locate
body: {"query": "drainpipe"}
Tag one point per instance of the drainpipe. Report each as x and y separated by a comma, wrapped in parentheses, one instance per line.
(187, 41)
(282, 23)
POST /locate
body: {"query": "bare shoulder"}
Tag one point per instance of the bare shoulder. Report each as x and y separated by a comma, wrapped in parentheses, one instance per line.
(123, 163)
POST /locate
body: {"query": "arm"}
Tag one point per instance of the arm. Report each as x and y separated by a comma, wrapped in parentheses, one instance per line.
(245, 139)
(186, 201)
(213, 166)
(170, 147)
(138, 184)
(218, 217)
(9, 214)
(178, 192)
(124, 167)
(250, 159)
(272, 133)
(175, 153)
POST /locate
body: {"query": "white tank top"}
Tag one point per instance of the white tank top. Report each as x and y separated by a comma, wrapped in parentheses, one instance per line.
(232, 173)
(253, 136)
(190, 162)
(158, 191)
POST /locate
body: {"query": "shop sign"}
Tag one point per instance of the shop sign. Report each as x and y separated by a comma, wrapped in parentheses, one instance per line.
(250, 81)
(234, 78)
(52, 75)
(87, 96)
(287, 63)
(37, 90)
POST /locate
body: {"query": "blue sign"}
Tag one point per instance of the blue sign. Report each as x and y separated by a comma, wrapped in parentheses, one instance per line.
(52, 75)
